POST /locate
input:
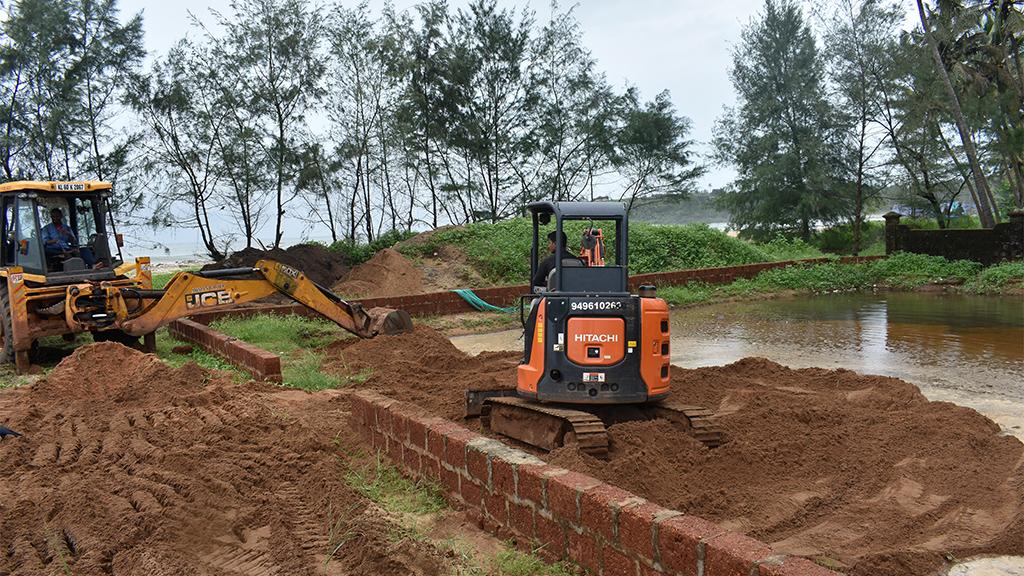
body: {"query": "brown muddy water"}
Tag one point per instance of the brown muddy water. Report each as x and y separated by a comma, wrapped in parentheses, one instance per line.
(963, 349)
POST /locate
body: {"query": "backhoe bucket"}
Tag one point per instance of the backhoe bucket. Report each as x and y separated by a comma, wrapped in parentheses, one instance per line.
(387, 321)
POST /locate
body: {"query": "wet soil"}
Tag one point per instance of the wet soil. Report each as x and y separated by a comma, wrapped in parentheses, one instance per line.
(150, 470)
(861, 472)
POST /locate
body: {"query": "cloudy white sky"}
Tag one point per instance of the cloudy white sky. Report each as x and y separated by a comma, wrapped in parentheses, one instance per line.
(680, 45)
(684, 46)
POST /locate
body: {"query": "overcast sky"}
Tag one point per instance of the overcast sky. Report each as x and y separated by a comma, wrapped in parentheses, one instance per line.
(680, 45)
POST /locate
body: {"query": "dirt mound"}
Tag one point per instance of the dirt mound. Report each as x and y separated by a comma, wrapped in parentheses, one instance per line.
(316, 262)
(163, 471)
(860, 471)
(388, 273)
(423, 368)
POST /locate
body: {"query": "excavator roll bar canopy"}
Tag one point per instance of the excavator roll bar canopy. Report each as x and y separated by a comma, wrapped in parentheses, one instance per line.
(604, 279)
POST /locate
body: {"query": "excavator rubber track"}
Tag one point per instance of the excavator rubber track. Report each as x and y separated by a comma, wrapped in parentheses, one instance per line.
(549, 426)
(697, 420)
(545, 426)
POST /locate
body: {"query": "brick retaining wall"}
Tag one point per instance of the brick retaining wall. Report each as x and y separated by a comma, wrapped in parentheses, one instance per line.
(559, 513)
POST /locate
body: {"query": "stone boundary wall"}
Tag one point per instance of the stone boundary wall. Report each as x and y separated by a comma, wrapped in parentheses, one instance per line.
(1004, 242)
(560, 514)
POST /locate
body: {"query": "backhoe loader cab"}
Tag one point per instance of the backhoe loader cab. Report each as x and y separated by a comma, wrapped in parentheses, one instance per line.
(26, 219)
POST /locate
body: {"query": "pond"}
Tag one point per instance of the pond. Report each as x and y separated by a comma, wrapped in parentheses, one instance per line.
(963, 349)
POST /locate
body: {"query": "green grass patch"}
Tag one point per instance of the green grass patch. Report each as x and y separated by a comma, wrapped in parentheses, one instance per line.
(161, 279)
(164, 345)
(281, 334)
(294, 338)
(512, 562)
(385, 485)
(904, 271)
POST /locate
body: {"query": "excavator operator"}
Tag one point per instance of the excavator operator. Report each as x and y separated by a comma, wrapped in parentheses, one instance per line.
(540, 279)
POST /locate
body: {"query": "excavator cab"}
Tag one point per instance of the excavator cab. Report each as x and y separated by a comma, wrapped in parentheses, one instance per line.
(594, 353)
(26, 220)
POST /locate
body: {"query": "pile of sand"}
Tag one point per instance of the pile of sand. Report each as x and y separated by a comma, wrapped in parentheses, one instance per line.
(318, 263)
(860, 470)
(128, 466)
(388, 273)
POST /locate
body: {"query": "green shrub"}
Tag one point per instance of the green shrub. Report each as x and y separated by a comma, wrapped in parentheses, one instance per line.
(903, 270)
(839, 239)
(995, 278)
(782, 248)
(500, 251)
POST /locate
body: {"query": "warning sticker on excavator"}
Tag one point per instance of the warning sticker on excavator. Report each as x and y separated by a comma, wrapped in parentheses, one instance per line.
(593, 376)
(540, 333)
(17, 278)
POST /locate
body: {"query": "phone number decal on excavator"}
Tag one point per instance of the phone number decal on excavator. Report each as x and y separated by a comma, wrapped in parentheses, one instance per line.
(207, 299)
(596, 305)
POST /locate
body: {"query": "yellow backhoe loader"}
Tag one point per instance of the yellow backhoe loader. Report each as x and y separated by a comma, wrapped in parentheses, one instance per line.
(58, 276)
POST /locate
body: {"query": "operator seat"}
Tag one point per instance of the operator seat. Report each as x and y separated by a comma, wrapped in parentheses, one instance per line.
(566, 263)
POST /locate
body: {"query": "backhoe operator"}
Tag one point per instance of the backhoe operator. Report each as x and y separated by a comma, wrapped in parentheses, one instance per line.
(59, 240)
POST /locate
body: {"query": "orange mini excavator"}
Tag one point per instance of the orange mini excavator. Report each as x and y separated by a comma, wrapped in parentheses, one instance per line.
(594, 353)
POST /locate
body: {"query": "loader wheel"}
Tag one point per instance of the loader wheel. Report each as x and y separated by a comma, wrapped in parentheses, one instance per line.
(6, 342)
(116, 336)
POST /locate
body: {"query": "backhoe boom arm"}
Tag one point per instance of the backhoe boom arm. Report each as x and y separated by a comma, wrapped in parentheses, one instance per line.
(137, 311)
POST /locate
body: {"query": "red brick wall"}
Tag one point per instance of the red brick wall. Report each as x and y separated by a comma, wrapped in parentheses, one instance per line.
(559, 513)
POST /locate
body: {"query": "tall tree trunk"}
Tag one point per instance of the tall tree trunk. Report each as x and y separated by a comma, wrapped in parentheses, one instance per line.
(984, 194)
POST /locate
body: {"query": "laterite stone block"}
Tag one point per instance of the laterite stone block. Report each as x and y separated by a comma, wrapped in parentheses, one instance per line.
(450, 481)
(455, 447)
(520, 519)
(471, 492)
(564, 494)
(679, 539)
(585, 551)
(599, 507)
(530, 483)
(550, 536)
(614, 563)
(503, 477)
(417, 433)
(732, 554)
(636, 528)
(476, 466)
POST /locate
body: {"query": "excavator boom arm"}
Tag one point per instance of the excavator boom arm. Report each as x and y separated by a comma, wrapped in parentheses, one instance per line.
(137, 311)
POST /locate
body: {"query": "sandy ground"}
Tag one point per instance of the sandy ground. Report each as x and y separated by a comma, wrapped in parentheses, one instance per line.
(862, 472)
(149, 470)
